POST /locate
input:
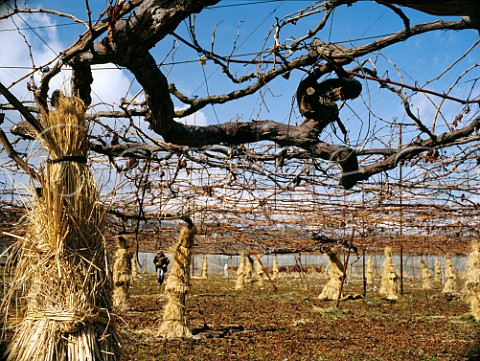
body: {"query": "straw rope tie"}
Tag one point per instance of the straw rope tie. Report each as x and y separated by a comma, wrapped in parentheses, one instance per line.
(68, 158)
(71, 321)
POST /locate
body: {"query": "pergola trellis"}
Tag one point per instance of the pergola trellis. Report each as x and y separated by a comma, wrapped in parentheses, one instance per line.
(274, 196)
(278, 208)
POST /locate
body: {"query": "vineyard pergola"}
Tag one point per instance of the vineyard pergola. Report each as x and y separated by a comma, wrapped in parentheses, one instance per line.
(282, 127)
(267, 182)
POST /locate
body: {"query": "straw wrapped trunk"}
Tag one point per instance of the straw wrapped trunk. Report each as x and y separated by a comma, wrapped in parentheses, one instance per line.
(472, 282)
(60, 274)
(331, 291)
(369, 271)
(248, 270)
(241, 264)
(134, 266)
(450, 285)
(260, 274)
(426, 276)
(389, 286)
(121, 280)
(275, 267)
(175, 318)
(240, 283)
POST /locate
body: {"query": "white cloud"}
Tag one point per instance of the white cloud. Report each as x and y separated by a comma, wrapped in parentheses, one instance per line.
(46, 42)
(45, 45)
(109, 84)
(199, 118)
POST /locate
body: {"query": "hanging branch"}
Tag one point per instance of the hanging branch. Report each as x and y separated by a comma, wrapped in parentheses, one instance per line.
(15, 157)
(21, 108)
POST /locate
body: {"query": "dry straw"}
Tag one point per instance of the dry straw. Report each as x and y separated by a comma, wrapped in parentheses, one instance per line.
(450, 285)
(240, 283)
(175, 318)
(241, 264)
(122, 275)
(260, 274)
(389, 286)
(426, 276)
(369, 271)
(60, 283)
(134, 266)
(472, 282)
(275, 270)
(248, 270)
(331, 291)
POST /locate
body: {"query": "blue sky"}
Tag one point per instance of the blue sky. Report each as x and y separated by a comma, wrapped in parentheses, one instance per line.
(418, 59)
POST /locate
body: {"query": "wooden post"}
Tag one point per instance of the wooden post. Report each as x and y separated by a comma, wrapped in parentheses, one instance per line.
(299, 265)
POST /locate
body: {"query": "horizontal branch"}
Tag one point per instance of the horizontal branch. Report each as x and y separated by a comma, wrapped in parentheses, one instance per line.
(15, 157)
(417, 148)
(440, 7)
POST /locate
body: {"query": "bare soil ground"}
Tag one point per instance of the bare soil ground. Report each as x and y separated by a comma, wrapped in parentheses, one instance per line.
(293, 324)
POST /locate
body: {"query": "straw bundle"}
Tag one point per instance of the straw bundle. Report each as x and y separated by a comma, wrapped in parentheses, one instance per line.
(121, 280)
(275, 267)
(438, 270)
(260, 274)
(175, 318)
(241, 264)
(472, 283)
(369, 271)
(134, 266)
(426, 276)
(389, 286)
(204, 268)
(59, 265)
(450, 285)
(240, 284)
(248, 270)
(331, 290)
(312, 272)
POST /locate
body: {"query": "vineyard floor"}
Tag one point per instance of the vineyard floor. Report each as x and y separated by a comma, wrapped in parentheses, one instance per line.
(292, 324)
